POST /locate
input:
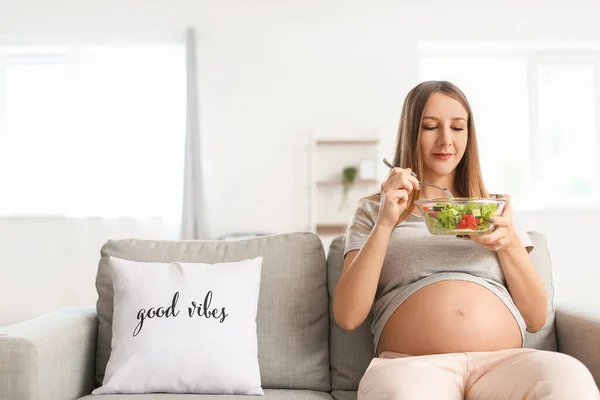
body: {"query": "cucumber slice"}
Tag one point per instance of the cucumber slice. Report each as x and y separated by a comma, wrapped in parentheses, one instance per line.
(437, 208)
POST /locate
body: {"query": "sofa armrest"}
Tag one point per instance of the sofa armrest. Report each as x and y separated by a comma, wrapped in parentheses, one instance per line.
(50, 357)
(578, 335)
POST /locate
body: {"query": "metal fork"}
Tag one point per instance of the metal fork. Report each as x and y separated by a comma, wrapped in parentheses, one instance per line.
(446, 191)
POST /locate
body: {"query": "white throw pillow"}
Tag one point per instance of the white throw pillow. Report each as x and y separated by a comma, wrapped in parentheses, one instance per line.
(184, 328)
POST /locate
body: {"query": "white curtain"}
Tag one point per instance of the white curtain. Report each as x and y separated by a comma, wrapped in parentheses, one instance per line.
(194, 222)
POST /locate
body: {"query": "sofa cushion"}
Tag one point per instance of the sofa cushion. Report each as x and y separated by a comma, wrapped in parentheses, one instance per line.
(545, 338)
(292, 320)
(344, 395)
(351, 352)
(184, 328)
(270, 394)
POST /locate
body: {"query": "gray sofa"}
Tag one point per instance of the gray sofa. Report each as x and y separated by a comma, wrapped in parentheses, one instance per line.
(303, 354)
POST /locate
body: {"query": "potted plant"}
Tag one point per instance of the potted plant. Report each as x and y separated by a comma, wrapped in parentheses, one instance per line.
(348, 179)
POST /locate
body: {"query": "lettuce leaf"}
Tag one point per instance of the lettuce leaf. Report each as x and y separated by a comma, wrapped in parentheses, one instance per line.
(447, 219)
(488, 210)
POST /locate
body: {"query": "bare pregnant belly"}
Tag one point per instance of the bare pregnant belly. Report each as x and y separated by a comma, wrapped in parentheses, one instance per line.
(450, 317)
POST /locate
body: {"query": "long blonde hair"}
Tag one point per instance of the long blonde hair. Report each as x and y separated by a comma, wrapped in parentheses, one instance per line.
(468, 178)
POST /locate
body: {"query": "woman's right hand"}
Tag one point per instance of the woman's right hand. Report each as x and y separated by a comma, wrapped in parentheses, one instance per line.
(394, 195)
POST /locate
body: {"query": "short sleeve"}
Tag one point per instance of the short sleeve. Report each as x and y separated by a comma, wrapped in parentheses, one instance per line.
(360, 225)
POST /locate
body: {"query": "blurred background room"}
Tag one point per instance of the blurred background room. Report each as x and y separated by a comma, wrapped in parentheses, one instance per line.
(204, 119)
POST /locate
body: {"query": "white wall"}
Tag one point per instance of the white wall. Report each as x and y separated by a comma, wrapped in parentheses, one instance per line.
(270, 72)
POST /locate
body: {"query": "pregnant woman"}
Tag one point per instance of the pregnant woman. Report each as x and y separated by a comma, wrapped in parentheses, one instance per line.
(449, 313)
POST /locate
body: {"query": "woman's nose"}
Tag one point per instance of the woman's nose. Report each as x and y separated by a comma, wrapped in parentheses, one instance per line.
(445, 136)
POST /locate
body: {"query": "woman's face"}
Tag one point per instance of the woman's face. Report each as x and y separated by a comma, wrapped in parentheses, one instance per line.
(443, 134)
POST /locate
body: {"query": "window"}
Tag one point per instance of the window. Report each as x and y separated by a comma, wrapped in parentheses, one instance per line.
(92, 131)
(566, 129)
(536, 118)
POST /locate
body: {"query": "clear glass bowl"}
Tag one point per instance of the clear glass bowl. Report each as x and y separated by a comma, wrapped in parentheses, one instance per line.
(460, 215)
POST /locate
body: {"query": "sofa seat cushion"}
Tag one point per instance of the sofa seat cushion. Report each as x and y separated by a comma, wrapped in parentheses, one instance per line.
(270, 394)
(344, 394)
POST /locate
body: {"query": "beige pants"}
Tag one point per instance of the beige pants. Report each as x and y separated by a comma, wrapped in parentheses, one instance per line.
(506, 374)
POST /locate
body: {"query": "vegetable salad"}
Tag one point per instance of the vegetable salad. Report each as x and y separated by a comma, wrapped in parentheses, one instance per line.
(470, 216)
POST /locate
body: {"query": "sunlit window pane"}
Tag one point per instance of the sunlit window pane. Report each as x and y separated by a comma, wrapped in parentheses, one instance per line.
(100, 134)
(32, 162)
(568, 130)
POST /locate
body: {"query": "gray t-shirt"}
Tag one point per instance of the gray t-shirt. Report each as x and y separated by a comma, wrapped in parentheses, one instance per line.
(415, 259)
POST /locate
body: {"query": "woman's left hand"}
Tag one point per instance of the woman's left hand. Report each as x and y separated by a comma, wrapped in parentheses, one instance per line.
(505, 234)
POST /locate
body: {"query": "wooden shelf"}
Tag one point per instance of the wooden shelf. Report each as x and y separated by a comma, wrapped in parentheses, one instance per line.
(331, 229)
(346, 142)
(358, 182)
(326, 179)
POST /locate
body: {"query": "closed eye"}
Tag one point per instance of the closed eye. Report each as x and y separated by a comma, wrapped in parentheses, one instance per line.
(431, 128)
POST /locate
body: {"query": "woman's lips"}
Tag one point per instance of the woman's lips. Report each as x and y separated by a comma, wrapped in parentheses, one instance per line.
(443, 156)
